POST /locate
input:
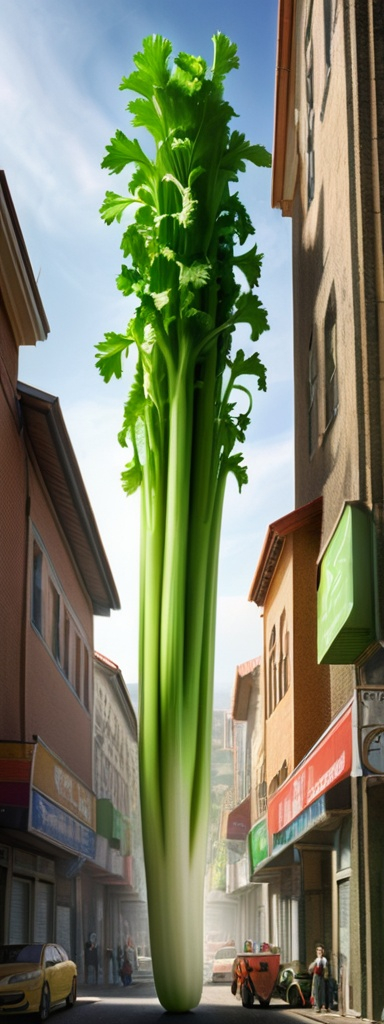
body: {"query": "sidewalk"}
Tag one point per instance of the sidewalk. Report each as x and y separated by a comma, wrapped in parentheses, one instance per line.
(143, 980)
(329, 1016)
(112, 990)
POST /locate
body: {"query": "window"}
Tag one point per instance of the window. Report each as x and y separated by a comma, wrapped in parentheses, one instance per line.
(272, 671)
(327, 6)
(328, 27)
(278, 665)
(310, 124)
(86, 680)
(78, 666)
(55, 621)
(59, 629)
(312, 397)
(283, 659)
(37, 588)
(67, 637)
(262, 798)
(330, 342)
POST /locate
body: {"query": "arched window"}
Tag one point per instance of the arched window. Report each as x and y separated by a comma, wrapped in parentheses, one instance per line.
(330, 361)
(310, 123)
(284, 656)
(313, 424)
(272, 674)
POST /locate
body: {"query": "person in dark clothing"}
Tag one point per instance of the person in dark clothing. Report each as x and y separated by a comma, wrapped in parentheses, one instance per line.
(90, 958)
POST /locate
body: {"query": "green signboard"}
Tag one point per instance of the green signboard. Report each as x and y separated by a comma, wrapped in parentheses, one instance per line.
(345, 601)
(258, 844)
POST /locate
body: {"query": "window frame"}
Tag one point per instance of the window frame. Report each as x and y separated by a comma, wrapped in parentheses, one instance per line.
(57, 625)
(313, 399)
(37, 587)
(331, 389)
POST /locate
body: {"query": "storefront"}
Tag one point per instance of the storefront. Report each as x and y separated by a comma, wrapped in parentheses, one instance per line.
(48, 820)
(303, 849)
(348, 628)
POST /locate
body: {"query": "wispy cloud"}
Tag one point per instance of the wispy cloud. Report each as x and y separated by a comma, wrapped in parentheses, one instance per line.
(59, 74)
(52, 131)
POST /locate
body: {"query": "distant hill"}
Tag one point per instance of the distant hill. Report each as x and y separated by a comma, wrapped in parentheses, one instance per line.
(221, 701)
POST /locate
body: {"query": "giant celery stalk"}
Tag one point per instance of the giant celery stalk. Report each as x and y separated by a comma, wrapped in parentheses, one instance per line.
(182, 422)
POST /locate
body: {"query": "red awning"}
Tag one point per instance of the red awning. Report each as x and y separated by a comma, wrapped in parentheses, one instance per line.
(239, 820)
(329, 762)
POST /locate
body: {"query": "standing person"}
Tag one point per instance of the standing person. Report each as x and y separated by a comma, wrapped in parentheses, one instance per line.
(118, 962)
(91, 958)
(319, 969)
(126, 971)
(130, 952)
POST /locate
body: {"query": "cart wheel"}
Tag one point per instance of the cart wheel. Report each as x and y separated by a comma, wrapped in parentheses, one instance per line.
(264, 1003)
(294, 997)
(246, 997)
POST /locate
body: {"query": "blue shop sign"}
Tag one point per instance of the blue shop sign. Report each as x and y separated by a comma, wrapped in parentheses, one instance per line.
(56, 824)
(299, 825)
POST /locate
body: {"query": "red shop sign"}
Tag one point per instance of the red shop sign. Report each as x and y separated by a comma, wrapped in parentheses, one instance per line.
(329, 763)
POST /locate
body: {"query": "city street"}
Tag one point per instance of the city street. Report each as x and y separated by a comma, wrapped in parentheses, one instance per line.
(139, 1003)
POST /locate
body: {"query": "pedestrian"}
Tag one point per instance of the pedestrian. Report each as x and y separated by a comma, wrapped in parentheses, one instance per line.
(319, 970)
(126, 971)
(91, 958)
(130, 952)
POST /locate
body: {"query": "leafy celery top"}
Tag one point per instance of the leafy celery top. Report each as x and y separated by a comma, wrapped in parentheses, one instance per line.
(182, 423)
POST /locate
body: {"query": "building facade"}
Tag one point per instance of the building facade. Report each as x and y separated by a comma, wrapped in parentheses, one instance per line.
(286, 849)
(328, 176)
(252, 905)
(119, 851)
(54, 578)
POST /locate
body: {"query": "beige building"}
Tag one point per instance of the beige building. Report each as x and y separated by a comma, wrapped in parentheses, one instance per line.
(247, 713)
(119, 903)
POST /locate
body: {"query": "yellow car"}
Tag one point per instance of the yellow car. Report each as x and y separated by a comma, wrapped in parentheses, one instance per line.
(35, 977)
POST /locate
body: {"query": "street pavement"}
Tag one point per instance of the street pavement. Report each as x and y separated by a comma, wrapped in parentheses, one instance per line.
(138, 1002)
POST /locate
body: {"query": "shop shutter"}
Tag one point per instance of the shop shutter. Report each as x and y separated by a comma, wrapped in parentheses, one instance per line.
(20, 910)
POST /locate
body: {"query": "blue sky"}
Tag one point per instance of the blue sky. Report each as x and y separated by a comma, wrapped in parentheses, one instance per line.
(60, 68)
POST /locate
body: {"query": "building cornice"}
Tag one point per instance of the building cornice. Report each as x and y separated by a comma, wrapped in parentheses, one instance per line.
(18, 287)
(283, 86)
(273, 545)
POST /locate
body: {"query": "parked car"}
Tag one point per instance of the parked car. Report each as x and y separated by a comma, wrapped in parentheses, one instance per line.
(294, 985)
(36, 977)
(223, 964)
